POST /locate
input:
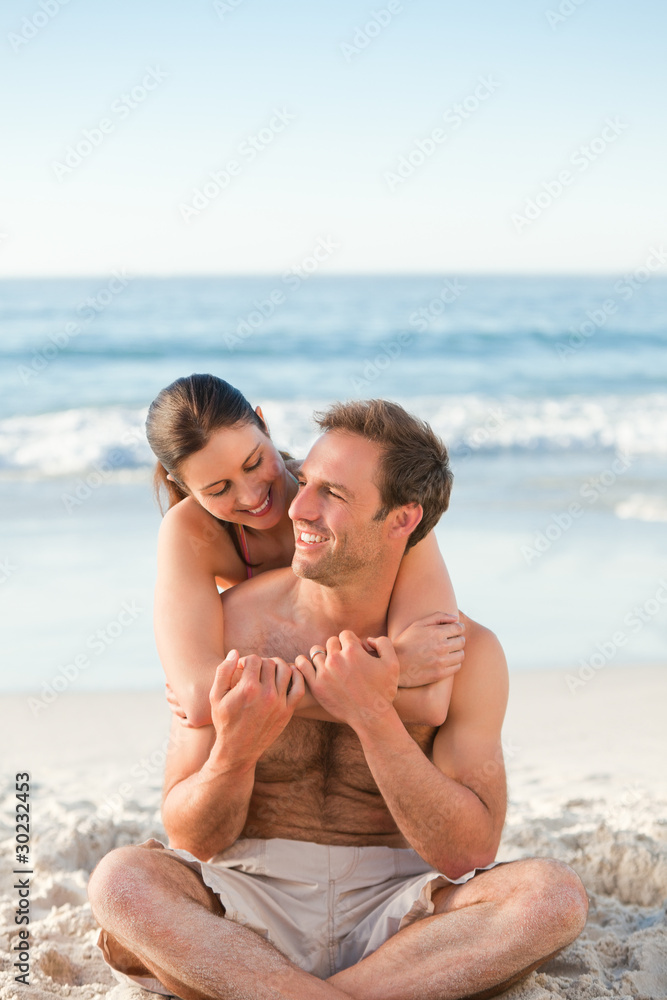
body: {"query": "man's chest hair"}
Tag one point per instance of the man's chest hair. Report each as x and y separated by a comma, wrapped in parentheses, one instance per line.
(327, 753)
(273, 638)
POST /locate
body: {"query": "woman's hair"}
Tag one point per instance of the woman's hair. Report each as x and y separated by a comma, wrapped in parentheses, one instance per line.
(181, 420)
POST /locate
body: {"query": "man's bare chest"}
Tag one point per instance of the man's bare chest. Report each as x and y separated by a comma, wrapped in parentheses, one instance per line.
(314, 784)
(325, 755)
(267, 636)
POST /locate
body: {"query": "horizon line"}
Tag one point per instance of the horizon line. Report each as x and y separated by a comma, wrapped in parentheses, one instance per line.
(169, 275)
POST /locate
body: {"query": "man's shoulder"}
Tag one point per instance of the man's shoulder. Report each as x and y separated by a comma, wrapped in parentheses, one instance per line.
(483, 639)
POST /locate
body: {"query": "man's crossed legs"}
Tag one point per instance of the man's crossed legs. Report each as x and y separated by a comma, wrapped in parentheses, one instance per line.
(162, 920)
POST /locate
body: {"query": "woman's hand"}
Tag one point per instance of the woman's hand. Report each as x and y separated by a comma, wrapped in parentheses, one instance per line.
(430, 650)
(177, 708)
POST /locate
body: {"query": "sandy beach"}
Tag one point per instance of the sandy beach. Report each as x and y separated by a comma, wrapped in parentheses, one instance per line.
(587, 781)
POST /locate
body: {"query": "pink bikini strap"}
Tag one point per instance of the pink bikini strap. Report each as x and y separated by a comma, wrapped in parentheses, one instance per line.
(244, 545)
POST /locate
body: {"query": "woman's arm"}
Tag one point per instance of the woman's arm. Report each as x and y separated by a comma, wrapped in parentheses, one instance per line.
(423, 625)
(188, 621)
(422, 587)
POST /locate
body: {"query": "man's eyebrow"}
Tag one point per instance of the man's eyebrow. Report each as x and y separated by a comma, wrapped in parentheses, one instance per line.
(245, 461)
(340, 488)
(332, 486)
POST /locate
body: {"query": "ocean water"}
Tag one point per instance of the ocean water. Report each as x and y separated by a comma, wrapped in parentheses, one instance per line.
(551, 394)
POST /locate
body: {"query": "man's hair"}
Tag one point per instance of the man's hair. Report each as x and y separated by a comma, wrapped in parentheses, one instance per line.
(414, 464)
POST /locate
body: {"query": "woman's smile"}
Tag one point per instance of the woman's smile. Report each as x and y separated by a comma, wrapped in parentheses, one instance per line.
(263, 508)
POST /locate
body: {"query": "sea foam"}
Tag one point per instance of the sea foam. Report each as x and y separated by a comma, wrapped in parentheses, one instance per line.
(74, 441)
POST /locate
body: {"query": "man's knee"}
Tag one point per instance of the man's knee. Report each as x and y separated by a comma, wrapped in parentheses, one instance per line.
(118, 880)
(132, 880)
(553, 895)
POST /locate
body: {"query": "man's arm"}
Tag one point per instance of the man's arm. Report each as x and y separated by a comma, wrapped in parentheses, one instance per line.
(205, 798)
(425, 705)
(210, 772)
(419, 706)
(450, 811)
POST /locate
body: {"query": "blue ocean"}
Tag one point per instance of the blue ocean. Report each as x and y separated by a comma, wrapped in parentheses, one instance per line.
(550, 392)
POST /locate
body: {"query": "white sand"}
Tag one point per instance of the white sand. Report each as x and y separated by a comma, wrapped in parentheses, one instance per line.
(588, 784)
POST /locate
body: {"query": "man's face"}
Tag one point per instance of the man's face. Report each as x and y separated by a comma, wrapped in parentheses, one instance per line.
(335, 534)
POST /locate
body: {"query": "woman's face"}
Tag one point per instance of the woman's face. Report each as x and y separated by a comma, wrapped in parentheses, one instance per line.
(238, 476)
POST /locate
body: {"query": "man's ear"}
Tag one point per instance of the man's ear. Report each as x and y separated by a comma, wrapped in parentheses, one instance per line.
(404, 520)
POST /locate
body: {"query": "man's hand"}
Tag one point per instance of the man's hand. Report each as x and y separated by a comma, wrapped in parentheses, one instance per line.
(210, 773)
(350, 683)
(251, 703)
(430, 650)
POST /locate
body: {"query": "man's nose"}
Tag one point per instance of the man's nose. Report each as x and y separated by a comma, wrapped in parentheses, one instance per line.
(304, 505)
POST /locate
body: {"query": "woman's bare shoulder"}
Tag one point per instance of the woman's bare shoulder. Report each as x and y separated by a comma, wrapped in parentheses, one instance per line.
(187, 515)
(187, 524)
(186, 511)
(266, 590)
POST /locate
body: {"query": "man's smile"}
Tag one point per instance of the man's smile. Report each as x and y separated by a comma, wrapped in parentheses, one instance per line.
(309, 539)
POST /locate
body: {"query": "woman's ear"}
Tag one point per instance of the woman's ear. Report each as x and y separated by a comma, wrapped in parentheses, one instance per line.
(258, 411)
(170, 478)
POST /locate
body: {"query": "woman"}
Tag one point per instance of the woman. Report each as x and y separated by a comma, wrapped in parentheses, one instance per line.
(229, 492)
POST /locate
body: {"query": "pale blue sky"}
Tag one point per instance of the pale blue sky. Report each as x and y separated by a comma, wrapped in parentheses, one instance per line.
(325, 174)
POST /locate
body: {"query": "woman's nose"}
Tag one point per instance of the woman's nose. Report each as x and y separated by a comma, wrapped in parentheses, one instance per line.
(249, 497)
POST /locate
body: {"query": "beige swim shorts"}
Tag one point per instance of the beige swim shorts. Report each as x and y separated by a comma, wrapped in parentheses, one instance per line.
(323, 907)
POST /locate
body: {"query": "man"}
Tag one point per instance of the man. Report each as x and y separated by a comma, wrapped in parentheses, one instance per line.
(328, 838)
